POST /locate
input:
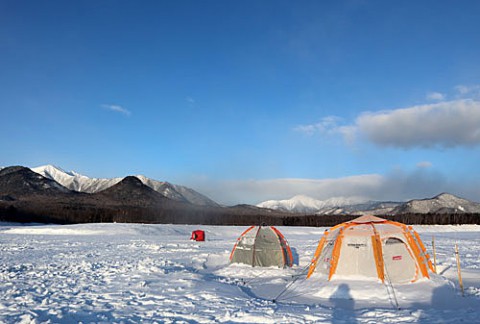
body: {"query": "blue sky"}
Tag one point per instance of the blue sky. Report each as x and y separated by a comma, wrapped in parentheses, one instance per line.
(246, 101)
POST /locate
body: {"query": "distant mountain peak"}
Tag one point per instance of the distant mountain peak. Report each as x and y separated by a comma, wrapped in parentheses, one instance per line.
(132, 181)
(131, 188)
(442, 203)
(50, 168)
(11, 169)
(77, 182)
(19, 181)
(53, 167)
(446, 196)
(307, 204)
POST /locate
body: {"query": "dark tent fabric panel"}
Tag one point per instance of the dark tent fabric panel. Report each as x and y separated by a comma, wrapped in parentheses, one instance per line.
(243, 250)
(268, 249)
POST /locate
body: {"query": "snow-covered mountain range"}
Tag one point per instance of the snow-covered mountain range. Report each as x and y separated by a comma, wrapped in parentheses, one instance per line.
(78, 182)
(443, 203)
(306, 204)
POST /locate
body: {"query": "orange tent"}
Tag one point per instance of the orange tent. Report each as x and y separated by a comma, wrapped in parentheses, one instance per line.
(374, 247)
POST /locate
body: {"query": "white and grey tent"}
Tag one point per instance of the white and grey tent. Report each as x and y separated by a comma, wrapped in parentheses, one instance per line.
(372, 247)
(262, 246)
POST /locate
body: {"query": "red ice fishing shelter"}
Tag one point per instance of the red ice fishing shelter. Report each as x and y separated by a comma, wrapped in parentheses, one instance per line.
(198, 235)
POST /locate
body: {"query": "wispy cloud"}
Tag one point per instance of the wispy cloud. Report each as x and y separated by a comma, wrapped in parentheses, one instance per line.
(424, 164)
(190, 100)
(327, 125)
(470, 90)
(435, 96)
(116, 108)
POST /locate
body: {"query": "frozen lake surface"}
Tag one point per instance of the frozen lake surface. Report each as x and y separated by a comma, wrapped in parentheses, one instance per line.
(128, 273)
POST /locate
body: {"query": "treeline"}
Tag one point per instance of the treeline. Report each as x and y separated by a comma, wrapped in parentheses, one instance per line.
(436, 219)
(71, 213)
(411, 219)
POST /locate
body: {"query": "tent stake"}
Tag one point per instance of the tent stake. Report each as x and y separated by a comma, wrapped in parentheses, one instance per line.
(434, 254)
(459, 270)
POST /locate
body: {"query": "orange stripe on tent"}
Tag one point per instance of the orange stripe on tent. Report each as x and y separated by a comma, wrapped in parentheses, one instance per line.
(424, 250)
(318, 251)
(238, 240)
(336, 253)
(409, 248)
(416, 252)
(289, 251)
(337, 226)
(395, 223)
(378, 254)
(379, 265)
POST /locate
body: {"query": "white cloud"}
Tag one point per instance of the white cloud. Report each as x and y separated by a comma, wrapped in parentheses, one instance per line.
(435, 96)
(117, 108)
(445, 124)
(424, 164)
(190, 100)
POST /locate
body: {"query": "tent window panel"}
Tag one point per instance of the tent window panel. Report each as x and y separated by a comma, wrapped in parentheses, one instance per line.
(393, 240)
(323, 264)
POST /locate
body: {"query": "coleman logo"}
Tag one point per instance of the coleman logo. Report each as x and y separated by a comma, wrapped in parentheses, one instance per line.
(397, 257)
(357, 245)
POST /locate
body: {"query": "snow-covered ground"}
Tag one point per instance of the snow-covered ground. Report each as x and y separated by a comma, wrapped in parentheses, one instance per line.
(153, 273)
